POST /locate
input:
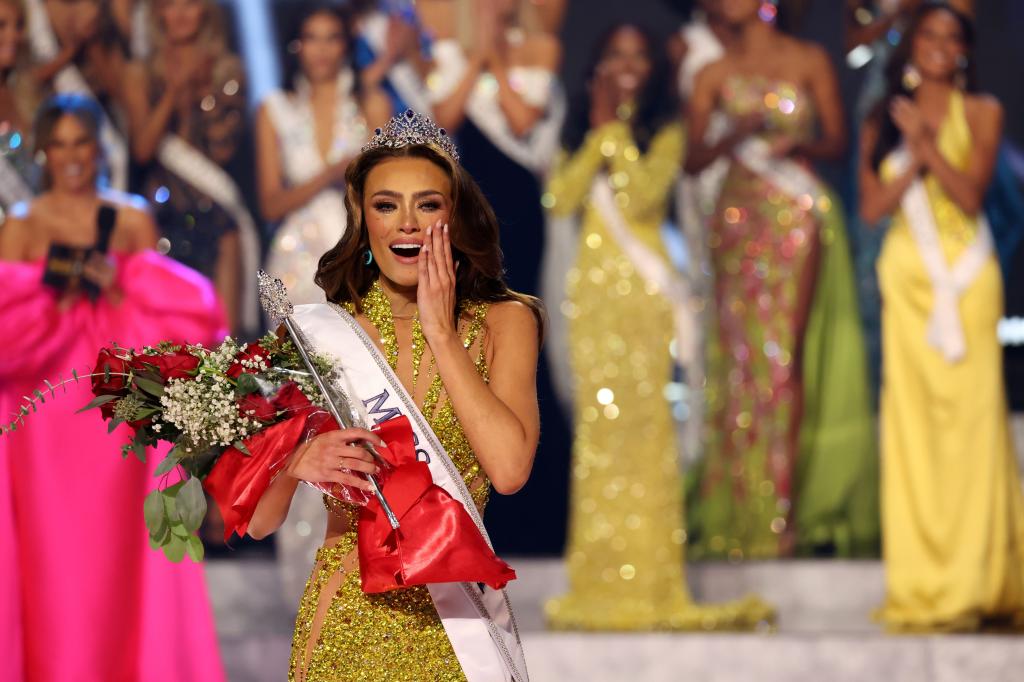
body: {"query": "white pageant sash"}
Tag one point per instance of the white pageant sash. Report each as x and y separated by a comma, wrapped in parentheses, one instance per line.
(44, 49)
(945, 331)
(192, 166)
(13, 188)
(652, 268)
(402, 76)
(788, 176)
(479, 622)
(534, 151)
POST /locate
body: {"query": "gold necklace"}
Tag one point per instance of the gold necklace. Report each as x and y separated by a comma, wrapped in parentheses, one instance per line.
(378, 310)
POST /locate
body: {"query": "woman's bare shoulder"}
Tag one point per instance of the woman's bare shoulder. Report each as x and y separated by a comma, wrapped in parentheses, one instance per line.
(512, 319)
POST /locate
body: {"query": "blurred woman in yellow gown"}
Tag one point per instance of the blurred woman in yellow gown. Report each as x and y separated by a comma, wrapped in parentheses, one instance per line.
(953, 517)
(626, 539)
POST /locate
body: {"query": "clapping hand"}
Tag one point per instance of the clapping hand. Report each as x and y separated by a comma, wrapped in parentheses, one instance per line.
(907, 117)
(435, 291)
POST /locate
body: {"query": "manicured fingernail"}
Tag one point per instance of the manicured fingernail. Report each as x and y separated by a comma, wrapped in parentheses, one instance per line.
(430, 230)
(446, 228)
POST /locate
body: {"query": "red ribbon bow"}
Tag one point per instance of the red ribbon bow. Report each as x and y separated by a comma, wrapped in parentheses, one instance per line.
(437, 542)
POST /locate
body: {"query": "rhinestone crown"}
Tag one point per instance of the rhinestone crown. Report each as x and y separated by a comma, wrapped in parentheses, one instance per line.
(412, 128)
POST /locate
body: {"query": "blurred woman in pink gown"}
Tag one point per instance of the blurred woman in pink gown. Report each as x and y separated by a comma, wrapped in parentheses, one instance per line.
(91, 601)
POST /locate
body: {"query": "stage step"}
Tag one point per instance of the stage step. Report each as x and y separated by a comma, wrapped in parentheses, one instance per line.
(825, 633)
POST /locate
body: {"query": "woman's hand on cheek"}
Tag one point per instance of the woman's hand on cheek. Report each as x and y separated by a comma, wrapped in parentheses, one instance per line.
(435, 292)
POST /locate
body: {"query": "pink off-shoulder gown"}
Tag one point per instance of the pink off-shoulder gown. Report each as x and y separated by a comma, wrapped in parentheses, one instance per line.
(83, 597)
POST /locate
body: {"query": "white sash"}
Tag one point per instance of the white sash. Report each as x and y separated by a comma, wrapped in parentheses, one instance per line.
(192, 166)
(945, 331)
(140, 38)
(536, 150)
(402, 76)
(13, 188)
(45, 48)
(480, 623)
(788, 176)
(653, 268)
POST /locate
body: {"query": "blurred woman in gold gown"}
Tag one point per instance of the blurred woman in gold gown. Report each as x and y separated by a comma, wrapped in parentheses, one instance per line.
(953, 517)
(626, 538)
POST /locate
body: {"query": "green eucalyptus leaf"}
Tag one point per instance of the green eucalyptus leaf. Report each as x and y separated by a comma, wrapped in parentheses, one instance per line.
(96, 402)
(153, 511)
(170, 507)
(39, 394)
(166, 466)
(139, 448)
(179, 530)
(194, 547)
(240, 446)
(191, 504)
(114, 423)
(149, 386)
(163, 537)
(175, 549)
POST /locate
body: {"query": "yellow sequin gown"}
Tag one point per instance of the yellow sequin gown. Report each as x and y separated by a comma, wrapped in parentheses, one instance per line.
(396, 635)
(626, 538)
(953, 518)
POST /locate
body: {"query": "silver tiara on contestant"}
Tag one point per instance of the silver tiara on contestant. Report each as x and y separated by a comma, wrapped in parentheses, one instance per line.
(412, 128)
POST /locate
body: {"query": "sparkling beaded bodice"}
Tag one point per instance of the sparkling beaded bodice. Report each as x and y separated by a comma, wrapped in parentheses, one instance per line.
(788, 109)
(435, 405)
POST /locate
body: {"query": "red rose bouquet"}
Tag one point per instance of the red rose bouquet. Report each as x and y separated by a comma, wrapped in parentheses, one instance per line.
(232, 415)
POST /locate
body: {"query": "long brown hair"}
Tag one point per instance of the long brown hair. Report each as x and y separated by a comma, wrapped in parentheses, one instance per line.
(480, 277)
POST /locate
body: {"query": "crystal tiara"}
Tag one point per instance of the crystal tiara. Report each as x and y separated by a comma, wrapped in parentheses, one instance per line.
(412, 128)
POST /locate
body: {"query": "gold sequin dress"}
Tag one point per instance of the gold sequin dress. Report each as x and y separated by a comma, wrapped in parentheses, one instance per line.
(344, 634)
(626, 537)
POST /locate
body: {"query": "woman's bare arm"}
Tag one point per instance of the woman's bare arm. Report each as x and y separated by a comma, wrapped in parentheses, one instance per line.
(276, 199)
(699, 154)
(520, 114)
(830, 144)
(967, 187)
(148, 124)
(879, 199)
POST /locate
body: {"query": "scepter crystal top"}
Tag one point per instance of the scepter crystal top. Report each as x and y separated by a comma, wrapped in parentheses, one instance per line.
(274, 297)
(412, 128)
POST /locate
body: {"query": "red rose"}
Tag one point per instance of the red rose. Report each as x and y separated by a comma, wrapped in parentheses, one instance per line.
(117, 366)
(261, 408)
(291, 400)
(177, 365)
(250, 353)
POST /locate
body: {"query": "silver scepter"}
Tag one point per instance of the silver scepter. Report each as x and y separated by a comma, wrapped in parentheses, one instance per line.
(275, 302)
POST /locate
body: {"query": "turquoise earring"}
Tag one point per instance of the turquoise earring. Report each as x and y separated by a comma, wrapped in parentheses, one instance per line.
(368, 257)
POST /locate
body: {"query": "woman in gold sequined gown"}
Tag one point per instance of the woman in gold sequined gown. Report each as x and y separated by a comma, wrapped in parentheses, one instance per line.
(465, 348)
(626, 538)
(785, 467)
(953, 516)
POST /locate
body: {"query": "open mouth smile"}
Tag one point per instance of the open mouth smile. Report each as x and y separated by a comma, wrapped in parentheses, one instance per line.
(406, 252)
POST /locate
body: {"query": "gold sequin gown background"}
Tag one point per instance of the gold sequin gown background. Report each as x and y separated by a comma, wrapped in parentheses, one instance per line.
(396, 635)
(626, 538)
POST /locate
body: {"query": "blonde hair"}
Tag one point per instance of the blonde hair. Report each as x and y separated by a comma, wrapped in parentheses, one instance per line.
(211, 33)
(527, 18)
(19, 80)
